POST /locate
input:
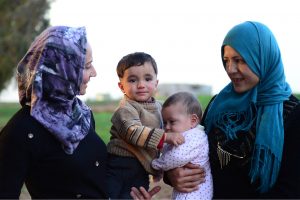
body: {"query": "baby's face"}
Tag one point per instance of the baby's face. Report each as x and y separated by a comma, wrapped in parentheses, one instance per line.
(176, 119)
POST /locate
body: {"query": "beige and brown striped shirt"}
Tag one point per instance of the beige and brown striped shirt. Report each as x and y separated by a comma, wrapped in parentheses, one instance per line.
(136, 131)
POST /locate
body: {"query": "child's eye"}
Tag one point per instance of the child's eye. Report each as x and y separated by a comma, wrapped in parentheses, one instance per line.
(148, 79)
(172, 122)
(131, 80)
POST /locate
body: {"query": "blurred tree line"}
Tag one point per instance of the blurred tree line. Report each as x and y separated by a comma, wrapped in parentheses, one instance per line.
(20, 22)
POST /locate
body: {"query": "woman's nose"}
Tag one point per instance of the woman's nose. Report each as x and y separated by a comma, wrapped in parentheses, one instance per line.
(93, 72)
(231, 67)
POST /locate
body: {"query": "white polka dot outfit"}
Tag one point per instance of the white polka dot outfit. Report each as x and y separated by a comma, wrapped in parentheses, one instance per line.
(194, 150)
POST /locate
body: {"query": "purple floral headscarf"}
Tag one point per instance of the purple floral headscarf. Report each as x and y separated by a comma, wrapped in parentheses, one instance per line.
(49, 78)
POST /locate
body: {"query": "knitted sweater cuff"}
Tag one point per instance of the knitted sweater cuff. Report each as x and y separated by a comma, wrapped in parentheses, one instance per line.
(155, 138)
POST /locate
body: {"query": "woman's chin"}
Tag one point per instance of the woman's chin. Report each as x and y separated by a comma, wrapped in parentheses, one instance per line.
(82, 92)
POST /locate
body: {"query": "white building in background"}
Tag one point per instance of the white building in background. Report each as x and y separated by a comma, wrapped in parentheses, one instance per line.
(167, 89)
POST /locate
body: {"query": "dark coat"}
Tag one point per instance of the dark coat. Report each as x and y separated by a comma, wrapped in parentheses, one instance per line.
(31, 154)
(232, 181)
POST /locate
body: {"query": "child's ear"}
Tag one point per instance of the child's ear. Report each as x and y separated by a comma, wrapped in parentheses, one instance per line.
(194, 120)
(121, 87)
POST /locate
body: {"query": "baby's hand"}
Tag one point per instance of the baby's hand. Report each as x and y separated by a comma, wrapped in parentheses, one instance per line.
(174, 138)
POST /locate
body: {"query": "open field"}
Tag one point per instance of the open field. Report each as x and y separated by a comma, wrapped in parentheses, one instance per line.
(102, 113)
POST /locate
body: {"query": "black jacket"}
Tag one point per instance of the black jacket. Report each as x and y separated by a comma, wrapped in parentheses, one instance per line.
(30, 154)
(232, 181)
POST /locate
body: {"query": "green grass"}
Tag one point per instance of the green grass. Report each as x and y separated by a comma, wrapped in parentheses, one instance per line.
(102, 119)
(103, 125)
(204, 100)
(7, 110)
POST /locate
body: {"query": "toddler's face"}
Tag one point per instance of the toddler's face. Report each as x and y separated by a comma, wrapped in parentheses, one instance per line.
(176, 119)
(139, 83)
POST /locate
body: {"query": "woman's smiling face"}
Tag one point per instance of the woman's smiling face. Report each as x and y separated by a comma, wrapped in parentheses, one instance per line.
(241, 76)
(88, 71)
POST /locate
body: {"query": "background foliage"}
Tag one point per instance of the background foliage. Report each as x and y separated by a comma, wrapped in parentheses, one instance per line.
(20, 22)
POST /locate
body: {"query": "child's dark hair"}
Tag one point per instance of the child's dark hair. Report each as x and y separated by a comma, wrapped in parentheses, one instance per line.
(134, 59)
(188, 100)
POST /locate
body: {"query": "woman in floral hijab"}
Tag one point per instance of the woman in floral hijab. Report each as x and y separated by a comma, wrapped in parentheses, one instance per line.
(50, 143)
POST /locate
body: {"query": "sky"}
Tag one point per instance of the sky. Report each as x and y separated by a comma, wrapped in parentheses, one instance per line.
(183, 36)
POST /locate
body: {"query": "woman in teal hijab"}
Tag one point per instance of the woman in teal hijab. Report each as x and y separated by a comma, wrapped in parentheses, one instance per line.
(252, 124)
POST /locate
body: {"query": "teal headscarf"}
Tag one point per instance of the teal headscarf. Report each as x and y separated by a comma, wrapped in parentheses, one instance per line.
(262, 104)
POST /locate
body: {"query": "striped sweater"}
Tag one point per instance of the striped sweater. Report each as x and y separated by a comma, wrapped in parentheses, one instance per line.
(136, 131)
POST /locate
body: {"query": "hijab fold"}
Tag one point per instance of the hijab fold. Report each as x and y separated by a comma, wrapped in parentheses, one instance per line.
(49, 78)
(262, 105)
